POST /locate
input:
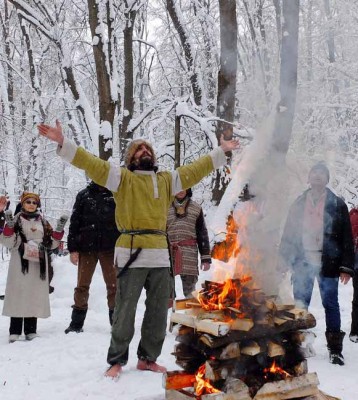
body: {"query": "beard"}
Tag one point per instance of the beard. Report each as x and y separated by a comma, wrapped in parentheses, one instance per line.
(144, 164)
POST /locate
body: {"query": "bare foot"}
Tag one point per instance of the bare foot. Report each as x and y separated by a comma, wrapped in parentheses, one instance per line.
(114, 371)
(145, 365)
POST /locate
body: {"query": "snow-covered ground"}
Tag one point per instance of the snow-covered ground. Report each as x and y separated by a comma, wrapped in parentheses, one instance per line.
(66, 367)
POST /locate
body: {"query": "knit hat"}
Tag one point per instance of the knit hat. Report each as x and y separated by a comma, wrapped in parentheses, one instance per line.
(132, 149)
(321, 165)
(28, 195)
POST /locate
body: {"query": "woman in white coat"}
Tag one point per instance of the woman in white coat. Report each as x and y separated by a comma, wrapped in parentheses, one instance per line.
(30, 239)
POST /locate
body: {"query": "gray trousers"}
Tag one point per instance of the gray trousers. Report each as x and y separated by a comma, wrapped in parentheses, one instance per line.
(158, 285)
(189, 283)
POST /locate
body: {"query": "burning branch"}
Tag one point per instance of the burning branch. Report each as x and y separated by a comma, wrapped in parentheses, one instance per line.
(203, 386)
(221, 296)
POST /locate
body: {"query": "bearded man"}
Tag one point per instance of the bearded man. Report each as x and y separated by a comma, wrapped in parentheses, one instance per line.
(143, 197)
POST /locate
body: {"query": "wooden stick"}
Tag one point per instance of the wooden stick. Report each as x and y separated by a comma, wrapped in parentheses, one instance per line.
(177, 380)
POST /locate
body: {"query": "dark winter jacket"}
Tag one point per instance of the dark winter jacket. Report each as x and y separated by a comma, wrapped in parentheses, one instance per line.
(337, 252)
(353, 215)
(92, 224)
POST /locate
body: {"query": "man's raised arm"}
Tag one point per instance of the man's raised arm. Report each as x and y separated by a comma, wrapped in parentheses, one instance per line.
(53, 133)
(229, 145)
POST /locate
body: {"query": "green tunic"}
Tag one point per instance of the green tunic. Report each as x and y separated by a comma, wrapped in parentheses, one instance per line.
(142, 197)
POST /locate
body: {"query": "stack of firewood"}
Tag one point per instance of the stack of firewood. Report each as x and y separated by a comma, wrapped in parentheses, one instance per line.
(254, 348)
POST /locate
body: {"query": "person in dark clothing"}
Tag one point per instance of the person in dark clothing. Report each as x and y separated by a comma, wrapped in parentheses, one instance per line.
(317, 243)
(91, 238)
(353, 336)
(187, 234)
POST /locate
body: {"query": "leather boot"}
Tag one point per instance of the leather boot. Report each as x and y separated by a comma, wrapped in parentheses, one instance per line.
(77, 320)
(335, 347)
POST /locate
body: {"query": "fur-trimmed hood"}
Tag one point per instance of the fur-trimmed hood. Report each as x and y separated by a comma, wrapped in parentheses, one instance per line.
(133, 147)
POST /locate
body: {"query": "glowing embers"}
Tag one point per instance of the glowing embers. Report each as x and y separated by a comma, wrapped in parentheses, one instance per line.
(275, 372)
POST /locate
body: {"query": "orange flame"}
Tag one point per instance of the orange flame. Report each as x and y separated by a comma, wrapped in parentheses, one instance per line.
(203, 386)
(223, 295)
(276, 370)
(229, 247)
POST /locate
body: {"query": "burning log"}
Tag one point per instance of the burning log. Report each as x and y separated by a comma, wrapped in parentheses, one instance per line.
(242, 324)
(236, 386)
(186, 352)
(216, 328)
(185, 334)
(251, 349)
(226, 396)
(275, 349)
(260, 331)
(183, 319)
(279, 321)
(235, 333)
(184, 304)
(300, 369)
(232, 350)
(290, 388)
(303, 337)
(215, 371)
(180, 395)
(295, 313)
(178, 380)
(186, 395)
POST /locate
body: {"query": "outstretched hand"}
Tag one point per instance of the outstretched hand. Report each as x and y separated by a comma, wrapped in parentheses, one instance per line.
(229, 145)
(53, 133)
(3, 202)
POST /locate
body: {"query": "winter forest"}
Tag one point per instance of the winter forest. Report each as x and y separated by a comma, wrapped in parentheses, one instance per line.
(178, 73)
(279, 75)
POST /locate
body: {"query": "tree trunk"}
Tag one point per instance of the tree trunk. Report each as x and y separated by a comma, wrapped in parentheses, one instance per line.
(177, 142)
(288, 80)
(309, 39)
(257, 51)
(128, 100)
(105, 102)
(188, 52)
(37, 106)
(277, 5)
(226, 83)
(332, 56)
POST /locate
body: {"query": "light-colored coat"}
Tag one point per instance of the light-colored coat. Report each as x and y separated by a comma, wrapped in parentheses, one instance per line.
(26, 295)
